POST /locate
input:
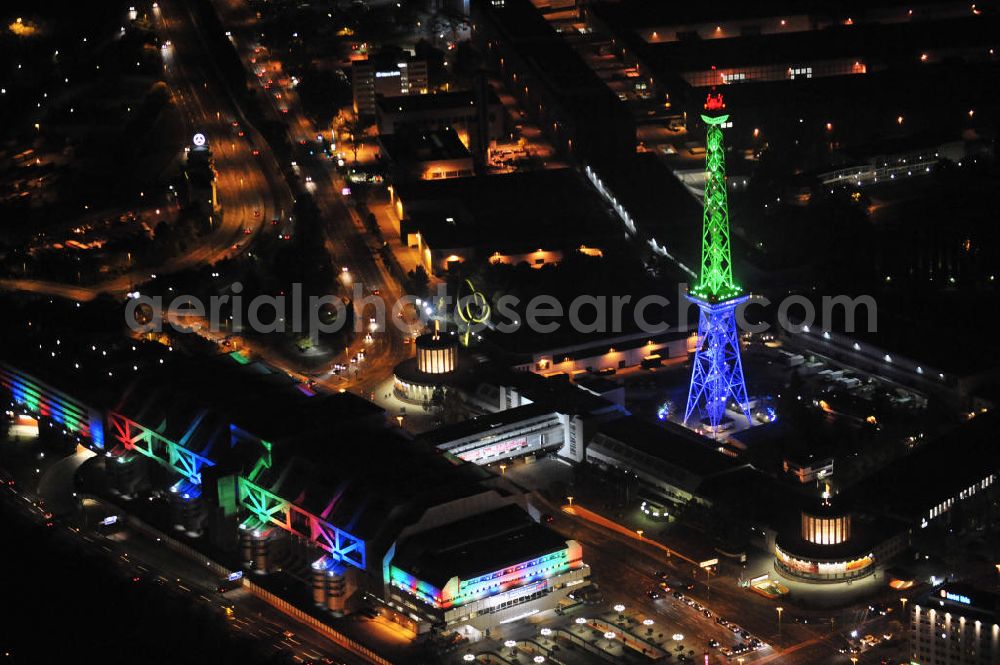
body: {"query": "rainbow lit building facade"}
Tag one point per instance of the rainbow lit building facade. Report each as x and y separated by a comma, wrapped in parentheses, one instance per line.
(484, 570)
(271, 471)
(39, 399)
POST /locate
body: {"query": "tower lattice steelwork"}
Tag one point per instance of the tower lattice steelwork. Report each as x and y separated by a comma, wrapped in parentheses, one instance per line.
(717, 374)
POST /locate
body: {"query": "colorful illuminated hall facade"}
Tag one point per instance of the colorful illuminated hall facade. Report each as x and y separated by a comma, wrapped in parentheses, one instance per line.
(485, 570)
(717, 370)
(38, 399)
(246, 457)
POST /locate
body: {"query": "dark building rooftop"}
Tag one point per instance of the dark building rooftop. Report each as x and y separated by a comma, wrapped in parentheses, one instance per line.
(432, 102)
(670, 443)
(561, 86)
(876, 44)
(550, 209)
(252, 397)
(935, 472)
(414, 147)
(79, 349)
(346, 475)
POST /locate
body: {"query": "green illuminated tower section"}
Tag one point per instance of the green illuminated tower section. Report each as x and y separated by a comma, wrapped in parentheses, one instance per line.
(716, 279)
(717, 370)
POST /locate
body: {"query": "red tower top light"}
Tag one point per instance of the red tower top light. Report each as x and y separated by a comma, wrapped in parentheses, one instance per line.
(714, 102)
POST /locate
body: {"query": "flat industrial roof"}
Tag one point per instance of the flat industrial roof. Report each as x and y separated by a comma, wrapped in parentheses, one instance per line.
(671, 443)
(433, 102)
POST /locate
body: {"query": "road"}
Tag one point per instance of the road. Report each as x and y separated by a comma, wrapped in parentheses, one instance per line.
(252, 191)
(623, 567)
(347, 239)
(247, 197)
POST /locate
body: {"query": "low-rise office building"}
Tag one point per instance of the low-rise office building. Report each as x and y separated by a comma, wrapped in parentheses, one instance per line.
(477, 117)
(430, 155)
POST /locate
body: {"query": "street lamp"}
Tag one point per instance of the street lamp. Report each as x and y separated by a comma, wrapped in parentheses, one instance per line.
(468, 658)
(570, 499)
(503, 469)
(546, 632)
(780, 610)
(903, 601)
(639, 532)
(580, 621)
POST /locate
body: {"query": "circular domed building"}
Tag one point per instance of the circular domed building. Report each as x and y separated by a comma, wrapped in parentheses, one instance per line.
(825, 548)
(436, 360)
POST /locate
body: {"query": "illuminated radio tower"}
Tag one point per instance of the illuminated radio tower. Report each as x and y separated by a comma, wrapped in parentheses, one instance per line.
(717, 374)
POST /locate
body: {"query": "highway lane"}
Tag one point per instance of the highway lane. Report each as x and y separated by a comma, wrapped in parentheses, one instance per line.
(246, 194)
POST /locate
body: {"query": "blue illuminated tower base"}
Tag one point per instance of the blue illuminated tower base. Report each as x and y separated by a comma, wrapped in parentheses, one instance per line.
(717, 374)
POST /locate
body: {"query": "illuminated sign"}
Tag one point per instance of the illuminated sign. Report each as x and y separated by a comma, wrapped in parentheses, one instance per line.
(505, 447)
(385, 75)
(956, 598)
(235, 576)
(714, 102)
(108, 521)
(199, 140)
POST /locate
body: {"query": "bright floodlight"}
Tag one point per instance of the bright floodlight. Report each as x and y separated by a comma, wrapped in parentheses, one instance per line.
(581, 620)
(510, 644)
(546, 632)
(468, 658)
(198, 139)
(610, 635)
(619, 608)
(678, 637)
(539, 659)
(647, 622)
